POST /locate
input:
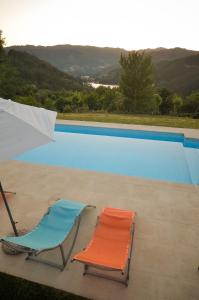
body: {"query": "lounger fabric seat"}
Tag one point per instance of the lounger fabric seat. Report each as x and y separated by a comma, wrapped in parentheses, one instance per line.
(53, 227)
(111, 241)
(51, 232)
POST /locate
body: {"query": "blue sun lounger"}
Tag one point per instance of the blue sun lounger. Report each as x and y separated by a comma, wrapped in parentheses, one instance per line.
(51, 232)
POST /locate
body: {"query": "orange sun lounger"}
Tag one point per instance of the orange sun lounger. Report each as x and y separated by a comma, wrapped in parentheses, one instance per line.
(111, 245)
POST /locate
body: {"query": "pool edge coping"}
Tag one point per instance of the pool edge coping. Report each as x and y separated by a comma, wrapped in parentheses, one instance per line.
(188, 133)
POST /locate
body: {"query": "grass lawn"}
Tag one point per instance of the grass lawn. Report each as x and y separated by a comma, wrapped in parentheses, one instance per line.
(169, 121)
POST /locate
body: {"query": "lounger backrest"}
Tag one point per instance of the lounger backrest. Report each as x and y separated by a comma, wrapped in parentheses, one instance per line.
(61, 216)
(115, 224)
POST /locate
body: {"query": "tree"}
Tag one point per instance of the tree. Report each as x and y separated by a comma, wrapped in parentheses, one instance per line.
(29, 100)
(77, 101)
(156, 101)
(177, 103)
(10, 81)
(2, 44)
(92, 101)
(166, 105)
(106, 96)
(116, 105)
(191, 104)
(60, 104)
(2, 40)
(136, 80)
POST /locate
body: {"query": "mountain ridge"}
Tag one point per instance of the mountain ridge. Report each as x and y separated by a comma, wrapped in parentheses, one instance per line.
(89, 60)
(102, 63)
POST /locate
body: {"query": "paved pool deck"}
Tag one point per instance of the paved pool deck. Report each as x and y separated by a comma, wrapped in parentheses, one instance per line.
(166, 244)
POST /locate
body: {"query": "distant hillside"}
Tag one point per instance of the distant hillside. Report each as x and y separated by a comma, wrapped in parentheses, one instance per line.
(108, 76)
(89, 60)
(75, 60)
(40, 73)
(161, 54)
(180, 75)
(176, 69)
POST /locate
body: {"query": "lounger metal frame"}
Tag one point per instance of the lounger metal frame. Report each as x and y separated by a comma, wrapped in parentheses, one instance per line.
(124, 280)
(32, 253)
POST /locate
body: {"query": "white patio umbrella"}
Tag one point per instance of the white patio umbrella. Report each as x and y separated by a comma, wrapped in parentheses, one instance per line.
(22, 127)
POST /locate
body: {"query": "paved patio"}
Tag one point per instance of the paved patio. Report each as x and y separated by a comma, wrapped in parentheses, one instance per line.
(166, 244)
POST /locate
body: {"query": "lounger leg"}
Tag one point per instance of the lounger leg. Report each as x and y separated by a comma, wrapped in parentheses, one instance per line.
(74, 240)
(85, 269)
(128, 270)
(34, 257)
(109, 277)
(130, 253)
(62, 255)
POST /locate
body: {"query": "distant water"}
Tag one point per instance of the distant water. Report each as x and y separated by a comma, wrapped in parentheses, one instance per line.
(96, 85)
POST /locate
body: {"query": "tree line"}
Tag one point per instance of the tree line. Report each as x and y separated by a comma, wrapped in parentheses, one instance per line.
(28, 80)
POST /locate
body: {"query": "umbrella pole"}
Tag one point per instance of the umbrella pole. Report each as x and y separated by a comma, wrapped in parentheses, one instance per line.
(8, 210)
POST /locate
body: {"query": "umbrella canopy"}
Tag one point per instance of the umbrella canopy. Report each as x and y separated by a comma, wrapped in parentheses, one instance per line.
(22, 127)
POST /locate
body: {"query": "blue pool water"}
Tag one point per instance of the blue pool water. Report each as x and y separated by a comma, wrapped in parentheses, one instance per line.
(160, 156)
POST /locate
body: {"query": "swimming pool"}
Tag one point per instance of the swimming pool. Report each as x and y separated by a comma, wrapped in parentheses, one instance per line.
(146, 154)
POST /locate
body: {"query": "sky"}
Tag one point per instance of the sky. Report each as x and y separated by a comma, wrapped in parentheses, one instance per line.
(128, 24)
